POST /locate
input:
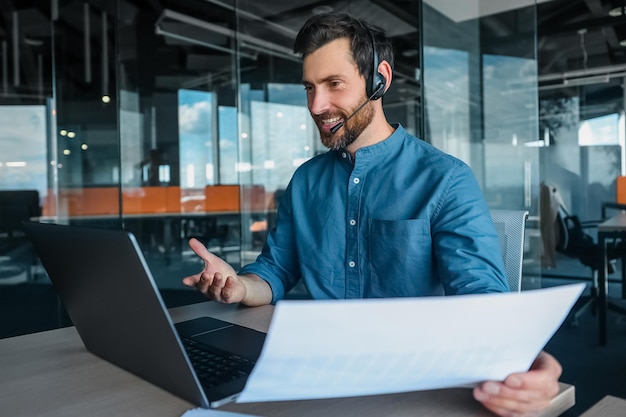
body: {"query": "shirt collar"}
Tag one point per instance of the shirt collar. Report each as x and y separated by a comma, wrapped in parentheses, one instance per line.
(384, 147)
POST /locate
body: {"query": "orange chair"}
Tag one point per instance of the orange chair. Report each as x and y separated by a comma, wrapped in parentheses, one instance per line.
(620, 197)
(620, 190)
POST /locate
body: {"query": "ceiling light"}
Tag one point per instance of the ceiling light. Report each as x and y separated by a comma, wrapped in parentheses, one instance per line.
(616, 12)
(169, 25)
(33, 42)
(322, 9)
(622, 42)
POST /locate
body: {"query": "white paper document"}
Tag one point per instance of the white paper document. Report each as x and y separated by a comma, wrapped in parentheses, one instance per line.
(340, 348)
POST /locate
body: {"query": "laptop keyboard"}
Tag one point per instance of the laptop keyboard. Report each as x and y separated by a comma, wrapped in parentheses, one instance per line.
(215, 367)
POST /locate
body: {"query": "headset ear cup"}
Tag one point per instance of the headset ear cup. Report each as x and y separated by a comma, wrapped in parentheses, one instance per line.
(378, 86)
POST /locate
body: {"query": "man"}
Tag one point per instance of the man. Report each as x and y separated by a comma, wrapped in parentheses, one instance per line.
(382, 214)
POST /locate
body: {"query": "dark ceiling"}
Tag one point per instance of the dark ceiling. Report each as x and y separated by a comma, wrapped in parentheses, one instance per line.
(579, 42)
(579, 35)
(581, 45)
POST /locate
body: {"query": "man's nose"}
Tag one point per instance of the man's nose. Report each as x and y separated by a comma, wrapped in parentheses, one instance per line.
(318, 102)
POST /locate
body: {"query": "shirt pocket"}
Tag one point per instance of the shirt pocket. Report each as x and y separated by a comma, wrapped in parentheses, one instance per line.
(400, 259)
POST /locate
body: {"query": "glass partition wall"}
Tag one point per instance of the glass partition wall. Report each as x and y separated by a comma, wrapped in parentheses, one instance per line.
(180, 119)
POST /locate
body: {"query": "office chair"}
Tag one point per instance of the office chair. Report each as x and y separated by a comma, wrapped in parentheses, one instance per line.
(16, 255)
(511, 226)
(564, 233)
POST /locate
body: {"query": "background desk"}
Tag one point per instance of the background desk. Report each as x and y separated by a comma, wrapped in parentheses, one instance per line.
(609, 406)
(220, 230)
(51, 374)
(613, 228)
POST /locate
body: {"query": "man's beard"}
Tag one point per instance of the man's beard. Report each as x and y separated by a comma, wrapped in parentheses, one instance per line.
(351, 129)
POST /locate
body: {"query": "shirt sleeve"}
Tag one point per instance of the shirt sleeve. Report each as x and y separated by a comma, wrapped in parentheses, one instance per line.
(468, 257)
(278, 262)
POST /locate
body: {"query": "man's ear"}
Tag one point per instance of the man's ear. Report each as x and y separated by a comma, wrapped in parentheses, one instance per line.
(385, 70)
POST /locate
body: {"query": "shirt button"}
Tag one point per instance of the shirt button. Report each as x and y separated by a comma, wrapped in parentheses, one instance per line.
(352, 264)
(356, 180)
(344, 155)
(352, 222)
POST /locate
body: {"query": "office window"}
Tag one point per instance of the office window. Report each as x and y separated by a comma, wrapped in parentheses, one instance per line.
(282, 134)
(510, 130)
(447, 92)
(23, 148)
(195, 131)
(228, 144)
(602, 130)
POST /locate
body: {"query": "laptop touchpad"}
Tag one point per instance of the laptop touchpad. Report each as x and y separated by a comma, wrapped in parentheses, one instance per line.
(238, 340)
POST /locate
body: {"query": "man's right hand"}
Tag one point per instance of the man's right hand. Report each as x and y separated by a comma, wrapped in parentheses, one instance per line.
(219, 281)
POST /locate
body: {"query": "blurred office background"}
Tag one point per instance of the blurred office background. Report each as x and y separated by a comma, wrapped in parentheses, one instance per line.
(179, 119)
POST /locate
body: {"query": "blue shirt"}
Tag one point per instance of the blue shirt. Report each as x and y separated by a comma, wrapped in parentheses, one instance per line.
(401, 219)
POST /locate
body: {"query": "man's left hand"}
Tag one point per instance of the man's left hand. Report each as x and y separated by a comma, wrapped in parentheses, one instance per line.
(523, 394)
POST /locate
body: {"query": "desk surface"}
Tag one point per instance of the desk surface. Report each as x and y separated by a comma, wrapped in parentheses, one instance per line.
(609, 406)
(615, 227)
(615, 223)
(51, 374)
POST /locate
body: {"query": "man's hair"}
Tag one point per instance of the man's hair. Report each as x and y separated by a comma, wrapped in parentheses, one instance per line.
(321, 29)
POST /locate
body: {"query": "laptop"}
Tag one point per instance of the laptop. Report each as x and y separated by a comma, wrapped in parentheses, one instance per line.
(110, 295)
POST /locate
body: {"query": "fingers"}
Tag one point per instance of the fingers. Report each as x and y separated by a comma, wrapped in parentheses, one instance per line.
(531, 386)
(218, 280)
(215, 286)
(199, 249)
(511, 402)
(520, 395)
(191, 280)
(523, 394)
(507, 410)
(212, 285)
(211, 261)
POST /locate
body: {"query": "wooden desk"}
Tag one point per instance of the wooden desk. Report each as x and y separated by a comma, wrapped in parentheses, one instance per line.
(615, 227)
(51, 374)
(609, 406)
